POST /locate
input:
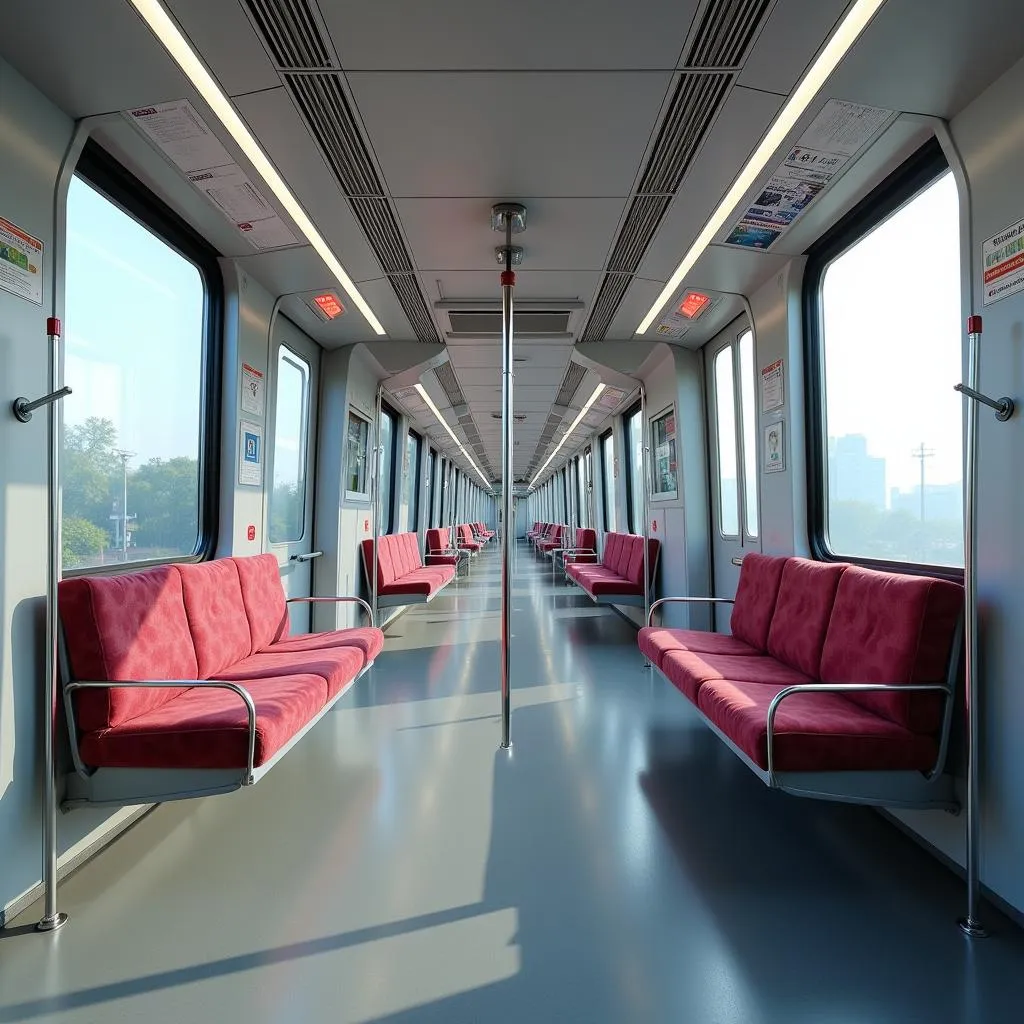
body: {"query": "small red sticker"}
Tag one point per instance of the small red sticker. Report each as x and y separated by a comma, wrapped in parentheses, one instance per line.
(366, 526)
(654, 525)
(250, 533)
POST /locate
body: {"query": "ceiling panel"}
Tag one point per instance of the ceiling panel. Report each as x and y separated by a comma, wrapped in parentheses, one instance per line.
(467, 34)
(795, 31)
(225, 36)
(633, 308)
(274, 120)
(501, 136)
(745, 117)
(530, 284)
(561, 234)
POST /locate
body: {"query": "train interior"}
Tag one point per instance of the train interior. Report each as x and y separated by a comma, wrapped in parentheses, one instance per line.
(511, 512)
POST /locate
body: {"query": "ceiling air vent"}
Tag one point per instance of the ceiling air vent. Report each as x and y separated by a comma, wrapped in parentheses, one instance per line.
(478, 323)
(570, 384)
(291, 32)
(725, 33)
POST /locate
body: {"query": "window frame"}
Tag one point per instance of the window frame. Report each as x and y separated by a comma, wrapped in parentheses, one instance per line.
(633, 515)
(607, 482)
(386, 517)
(286, 354)
(131, 196)
(362, 497)
(896, 191)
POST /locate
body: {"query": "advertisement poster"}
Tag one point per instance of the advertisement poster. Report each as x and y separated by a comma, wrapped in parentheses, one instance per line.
(663, 431)
(1003, 260)
(838, 133)
(252, 390)
(178, 131)
(21, 263)
(250, 454)
(774, 447)
(773, 394)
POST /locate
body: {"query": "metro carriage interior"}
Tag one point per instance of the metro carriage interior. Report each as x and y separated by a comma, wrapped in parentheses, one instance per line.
(511, 513)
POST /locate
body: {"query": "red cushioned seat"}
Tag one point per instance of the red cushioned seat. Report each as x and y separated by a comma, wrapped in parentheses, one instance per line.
(260, 579)
(656, 641)
(617, 585)
(689, 671)
(803, 608)
(337, 666)
(756, 594)
(368, 640)
(813, 732)
(216, 613)
(207, 727)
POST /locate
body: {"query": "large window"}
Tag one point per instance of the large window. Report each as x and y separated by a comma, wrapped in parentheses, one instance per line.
(412, 482)
(432, 496)
(291, 419)
(142, 314)
(725, 431)
(388, 444)
(608, 480)
(356, 447)
(634, 428)
(884, 325)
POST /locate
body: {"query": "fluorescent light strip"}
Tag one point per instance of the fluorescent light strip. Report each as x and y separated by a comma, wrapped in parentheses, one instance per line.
(828, 60)
(444, 423)
(160, 23)
(565, 437)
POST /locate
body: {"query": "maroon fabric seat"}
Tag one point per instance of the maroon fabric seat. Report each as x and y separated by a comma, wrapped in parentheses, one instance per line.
(466, 539)
(221, 620)
(621, 570)
(558, 539)
(440, 549)
(797, 622)
(400, 571)
(481, 531)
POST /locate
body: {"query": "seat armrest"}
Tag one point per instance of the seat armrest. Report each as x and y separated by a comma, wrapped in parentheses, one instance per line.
(339, 599)
(155, 684)
(687, 600)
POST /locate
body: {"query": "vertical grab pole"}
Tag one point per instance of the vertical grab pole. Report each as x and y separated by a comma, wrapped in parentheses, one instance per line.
(508, 281)
(377, 452)
(52, 919)
(643, 474)
(971, 924)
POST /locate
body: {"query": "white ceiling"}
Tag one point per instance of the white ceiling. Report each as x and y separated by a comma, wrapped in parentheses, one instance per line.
(463, 104)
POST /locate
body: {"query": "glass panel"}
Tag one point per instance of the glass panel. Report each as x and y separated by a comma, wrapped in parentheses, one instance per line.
(130, 465)
(725, 412)
(894, 470)
(635, 440)
(748, 415)
(387, 468)
(412, 483)
(288, 497)
(663, 452)
(355, 455)
(608, 472)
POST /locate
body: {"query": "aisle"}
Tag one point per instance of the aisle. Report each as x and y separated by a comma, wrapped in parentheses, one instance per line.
(617, 865)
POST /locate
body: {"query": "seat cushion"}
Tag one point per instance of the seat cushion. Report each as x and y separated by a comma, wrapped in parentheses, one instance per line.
(890, 628)
(689, 671)
(263, 596)
(126, 627)
(442, 559)
(367, 639)
(207, 727)
(616, 585)
(813, 732)
(802, 611)
(656, 641)
(337, 666)
(216, 614)
(756, 594)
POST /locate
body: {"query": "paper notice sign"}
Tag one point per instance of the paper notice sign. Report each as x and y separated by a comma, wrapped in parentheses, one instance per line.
(230, 189)
(21, 263)
(269, 233)
(843, 127)
(773, 394)
(1003, 260)
(252, 390)
(182, 135)
(250, 454)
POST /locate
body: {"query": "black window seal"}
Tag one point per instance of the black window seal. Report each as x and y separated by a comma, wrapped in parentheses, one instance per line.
(122, 188)
(911, 178)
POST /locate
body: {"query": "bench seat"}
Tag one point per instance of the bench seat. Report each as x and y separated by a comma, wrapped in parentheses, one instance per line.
(402, 578)
(619, 577)
(837, 681)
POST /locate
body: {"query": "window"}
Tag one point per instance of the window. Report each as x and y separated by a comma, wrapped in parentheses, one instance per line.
(748, 415)
(884, 323)
(357, 444)
(291, 417)
(433, 516)
(388, 443)
(663, 450)
(412, 482)
(608, 474)
(141, 435)
(582, 507)
(588, 499)
(725, 424)
(634, 468)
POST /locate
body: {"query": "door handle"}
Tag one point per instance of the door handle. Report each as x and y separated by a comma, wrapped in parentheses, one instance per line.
(737, 560)
(306, 557)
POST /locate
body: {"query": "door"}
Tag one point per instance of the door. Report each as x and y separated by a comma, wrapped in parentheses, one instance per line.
(295, 365)
(732, 435)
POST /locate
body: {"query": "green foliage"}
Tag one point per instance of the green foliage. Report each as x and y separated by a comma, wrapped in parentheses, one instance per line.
(856, 528)
(82, 542)
(285, 513)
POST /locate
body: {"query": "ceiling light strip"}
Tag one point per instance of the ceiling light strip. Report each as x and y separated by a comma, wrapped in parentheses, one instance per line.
(828, 60)
(160, 23)
(444, 423)
(565, 437)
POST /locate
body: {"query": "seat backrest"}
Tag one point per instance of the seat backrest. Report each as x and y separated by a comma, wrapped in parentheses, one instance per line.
(465, 533)
(586, 539)
(411, 558)
(437, 539)
(216, 612)
(803, 608)
(387, 570)
(131, 626)
(756, 594)
(635, 570)
(631, 546)
(890, 628)
(259, 577)
(612, 549)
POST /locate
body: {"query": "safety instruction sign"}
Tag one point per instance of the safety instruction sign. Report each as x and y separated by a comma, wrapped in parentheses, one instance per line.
(252, 390)
(21, 263)
(250, 454)
(835, 136)
(1003, 261)
(773, 394)
(775, 448)
(178, 131)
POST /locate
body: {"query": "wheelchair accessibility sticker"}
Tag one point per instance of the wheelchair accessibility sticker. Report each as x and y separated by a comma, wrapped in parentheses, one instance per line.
(250, 454)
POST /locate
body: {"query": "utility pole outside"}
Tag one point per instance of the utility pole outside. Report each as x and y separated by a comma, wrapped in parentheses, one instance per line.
(921, 454)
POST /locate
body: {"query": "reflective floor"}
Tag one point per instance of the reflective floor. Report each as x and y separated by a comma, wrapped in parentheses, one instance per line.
(618, 865)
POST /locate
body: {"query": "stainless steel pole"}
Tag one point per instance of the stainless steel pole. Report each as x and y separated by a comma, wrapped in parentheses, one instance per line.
(508, 282)
(377, 452)
(52, 919)
(971, 924)
(644, 450)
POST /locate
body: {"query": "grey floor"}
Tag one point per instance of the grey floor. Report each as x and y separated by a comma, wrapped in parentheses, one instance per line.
(618, 865)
